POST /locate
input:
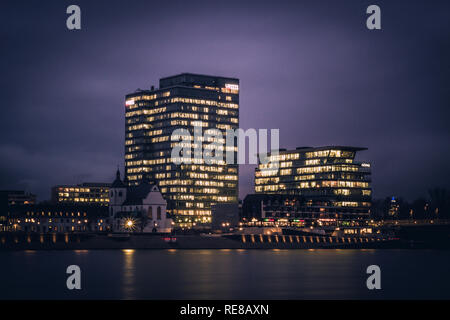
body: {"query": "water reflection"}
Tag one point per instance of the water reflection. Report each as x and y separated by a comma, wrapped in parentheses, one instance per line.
(80, 252)
(129, 281)
(226, 274)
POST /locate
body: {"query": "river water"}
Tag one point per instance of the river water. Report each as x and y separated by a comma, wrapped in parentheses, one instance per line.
(225, 274)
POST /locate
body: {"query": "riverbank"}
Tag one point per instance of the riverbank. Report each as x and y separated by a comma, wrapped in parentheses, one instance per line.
(87, 241)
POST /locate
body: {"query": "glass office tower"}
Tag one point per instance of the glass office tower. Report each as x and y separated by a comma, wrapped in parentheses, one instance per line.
(328, 179)
(182, 102)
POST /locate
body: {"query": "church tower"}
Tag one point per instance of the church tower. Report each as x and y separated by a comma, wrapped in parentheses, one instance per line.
(117, 195)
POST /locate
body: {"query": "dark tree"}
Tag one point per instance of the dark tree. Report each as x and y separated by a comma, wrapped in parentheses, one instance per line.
(439, 203)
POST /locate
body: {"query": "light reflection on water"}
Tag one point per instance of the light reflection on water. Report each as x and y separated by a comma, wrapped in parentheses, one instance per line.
(79, 252)
(225, 274)
(129, 283)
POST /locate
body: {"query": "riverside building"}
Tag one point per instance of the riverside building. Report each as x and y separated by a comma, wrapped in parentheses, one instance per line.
(331, 184)
(16, 197)
(55, 218)
(182, 102)
(82, 194)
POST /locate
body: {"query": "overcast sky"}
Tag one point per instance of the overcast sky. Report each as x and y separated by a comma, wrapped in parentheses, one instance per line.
(310, 68)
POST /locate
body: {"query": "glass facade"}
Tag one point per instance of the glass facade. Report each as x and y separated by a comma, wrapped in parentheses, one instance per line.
(182, 102)
(329, 180)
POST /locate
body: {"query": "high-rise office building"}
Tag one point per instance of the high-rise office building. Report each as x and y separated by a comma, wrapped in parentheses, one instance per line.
(328, 179)
(183, 101)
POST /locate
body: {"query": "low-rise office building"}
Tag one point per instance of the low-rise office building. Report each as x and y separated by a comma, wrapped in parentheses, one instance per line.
(87, 193)
(262, 206)
(16, 197)
(225, 216)
(44, 218)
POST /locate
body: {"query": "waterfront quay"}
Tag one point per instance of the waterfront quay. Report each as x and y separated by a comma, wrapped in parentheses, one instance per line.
(387, 234)
(74, 241)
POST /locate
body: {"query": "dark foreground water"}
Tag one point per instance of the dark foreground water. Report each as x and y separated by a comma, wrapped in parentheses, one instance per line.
(225, 274)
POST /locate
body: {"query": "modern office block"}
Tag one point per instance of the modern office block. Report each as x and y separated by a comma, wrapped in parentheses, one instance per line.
(183, 101)
(329, 180)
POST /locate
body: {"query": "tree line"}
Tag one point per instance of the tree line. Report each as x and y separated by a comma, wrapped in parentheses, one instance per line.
(435, 205)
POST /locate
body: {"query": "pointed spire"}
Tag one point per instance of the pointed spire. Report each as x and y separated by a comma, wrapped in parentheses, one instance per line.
(117, 182)
(118, 173)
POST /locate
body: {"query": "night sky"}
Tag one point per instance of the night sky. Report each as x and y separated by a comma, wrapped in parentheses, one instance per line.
(310, 68)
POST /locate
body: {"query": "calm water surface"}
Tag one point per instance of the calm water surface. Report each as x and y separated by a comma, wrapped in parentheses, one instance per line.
(225, 274)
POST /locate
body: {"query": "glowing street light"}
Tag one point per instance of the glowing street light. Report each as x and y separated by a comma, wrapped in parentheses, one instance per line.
(129, 224)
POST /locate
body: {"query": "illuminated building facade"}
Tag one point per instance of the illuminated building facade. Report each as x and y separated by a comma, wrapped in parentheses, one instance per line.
(182, 102)
(83, 194)
(330, 181)
(139, 208)
(59, 218)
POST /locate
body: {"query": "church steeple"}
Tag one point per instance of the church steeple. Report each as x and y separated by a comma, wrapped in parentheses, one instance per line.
(118, 182)
(117, 195)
